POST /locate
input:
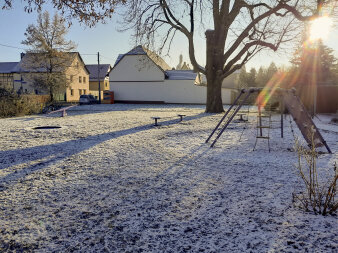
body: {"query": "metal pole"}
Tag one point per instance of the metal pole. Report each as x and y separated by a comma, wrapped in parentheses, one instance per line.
(219, 123)
(231, 117)
(98, 75)
(281, 125)
(282, 109)
(260, 119)
(315, 100)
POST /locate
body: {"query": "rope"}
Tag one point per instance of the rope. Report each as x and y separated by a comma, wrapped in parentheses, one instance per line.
(292, 131)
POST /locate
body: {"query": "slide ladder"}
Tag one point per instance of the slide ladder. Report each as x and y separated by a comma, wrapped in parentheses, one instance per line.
(263, 127)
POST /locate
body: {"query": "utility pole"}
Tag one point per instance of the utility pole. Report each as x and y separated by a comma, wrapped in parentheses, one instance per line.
(98, 75)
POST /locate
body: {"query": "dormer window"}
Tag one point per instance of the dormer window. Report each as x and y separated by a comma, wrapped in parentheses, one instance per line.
(80, 79)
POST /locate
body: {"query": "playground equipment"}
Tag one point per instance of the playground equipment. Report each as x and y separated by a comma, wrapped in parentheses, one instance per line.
(156, 118)
(263, 125)
(291, 102)
(62, 110)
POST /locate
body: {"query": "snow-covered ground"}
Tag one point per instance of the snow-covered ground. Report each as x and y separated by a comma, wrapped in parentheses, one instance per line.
(108, 180)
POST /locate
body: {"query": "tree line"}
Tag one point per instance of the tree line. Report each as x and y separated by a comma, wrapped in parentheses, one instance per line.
(310, 64)
(235, 31)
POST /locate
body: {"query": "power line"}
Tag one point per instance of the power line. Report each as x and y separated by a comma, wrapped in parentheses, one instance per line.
(21, 48)
(107, 58)
(12, 46)
(100, 56)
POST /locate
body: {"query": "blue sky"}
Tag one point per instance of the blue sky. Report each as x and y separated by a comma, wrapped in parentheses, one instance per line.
(105, 38)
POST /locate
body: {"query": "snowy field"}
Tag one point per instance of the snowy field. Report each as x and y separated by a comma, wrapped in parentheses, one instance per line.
(109, 181)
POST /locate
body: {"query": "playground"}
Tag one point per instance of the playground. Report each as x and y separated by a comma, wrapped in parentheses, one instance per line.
(105, 178)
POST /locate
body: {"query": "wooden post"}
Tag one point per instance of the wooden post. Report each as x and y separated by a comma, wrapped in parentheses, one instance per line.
(98, 75)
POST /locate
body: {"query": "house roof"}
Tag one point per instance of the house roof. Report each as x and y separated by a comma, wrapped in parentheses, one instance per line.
(24, 65)
(135, 51)
(7, 67)
(229, 82)
(141, 50)
(181, 74)
(93, 71)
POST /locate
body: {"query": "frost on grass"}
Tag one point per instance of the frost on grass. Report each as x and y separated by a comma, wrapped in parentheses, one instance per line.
(108, 180)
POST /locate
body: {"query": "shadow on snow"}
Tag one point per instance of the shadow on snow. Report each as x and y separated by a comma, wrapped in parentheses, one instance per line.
(54, 153)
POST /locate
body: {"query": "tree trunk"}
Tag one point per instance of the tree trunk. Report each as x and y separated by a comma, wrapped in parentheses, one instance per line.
(214, 68)
(214, 94)
(51, 95)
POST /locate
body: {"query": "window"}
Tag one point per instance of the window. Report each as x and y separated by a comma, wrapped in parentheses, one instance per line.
(72, 92)
(71, 78)
(84, 79)
(80, 92)
(80, 79)
(84, 92)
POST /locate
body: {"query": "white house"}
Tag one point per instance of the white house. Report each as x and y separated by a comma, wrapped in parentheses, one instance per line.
(142, 76)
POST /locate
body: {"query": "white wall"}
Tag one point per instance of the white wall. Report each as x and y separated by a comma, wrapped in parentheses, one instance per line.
(184, 91)
(137, 78)
(138, 91)
(169, 91)
(136, 68)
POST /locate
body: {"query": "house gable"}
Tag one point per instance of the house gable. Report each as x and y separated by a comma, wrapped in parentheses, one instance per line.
(136, 68)
(78, 76)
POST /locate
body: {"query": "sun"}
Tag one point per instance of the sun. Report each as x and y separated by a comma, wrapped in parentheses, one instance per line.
(320, 28)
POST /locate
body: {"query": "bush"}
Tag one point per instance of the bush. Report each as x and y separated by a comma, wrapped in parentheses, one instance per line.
(315, 196)
(12, 104)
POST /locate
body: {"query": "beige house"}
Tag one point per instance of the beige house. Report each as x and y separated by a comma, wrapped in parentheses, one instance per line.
(76, 76)
(96, 73)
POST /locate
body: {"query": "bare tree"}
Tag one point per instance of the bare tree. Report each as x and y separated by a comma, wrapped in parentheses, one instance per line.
(49, 55)
(86, 11)
(239, 30)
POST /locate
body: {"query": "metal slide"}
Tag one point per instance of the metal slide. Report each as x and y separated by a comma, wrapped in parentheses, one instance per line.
(303, 119)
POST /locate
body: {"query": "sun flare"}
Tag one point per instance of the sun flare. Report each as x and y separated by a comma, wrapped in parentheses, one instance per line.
(320, 28)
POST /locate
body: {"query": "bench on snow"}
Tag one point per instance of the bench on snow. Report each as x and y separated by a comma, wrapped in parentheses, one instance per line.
(157, 118)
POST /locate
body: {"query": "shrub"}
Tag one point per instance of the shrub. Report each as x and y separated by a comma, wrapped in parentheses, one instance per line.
(12, 104)
(315, 195)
